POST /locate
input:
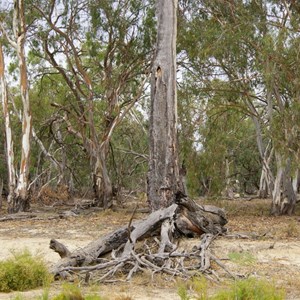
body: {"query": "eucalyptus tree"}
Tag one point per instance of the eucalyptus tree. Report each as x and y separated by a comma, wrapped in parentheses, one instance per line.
(8, 131)
(249, 45)
(16, 24)
(14, 33)
(278, 56)
(215, 63)
(102, 51)
(129, 153)
(217, 140)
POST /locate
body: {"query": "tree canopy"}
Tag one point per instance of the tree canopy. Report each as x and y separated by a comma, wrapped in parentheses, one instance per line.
(88, 65)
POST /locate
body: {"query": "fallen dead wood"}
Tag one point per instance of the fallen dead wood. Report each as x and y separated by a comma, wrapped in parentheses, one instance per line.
(120, 252)
(18, 216)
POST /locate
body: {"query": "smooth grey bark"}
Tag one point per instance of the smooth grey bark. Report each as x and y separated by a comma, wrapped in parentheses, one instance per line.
(21, 201)
(1, 190)
(228, 189)
(284, 197)
(267, 178)
(9, 144)
(296, 181)
(163, 175)
(266, 184)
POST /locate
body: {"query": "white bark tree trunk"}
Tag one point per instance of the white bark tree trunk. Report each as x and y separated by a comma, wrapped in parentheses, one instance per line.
(266, 184)
(8, 132)
(284, 197)
(267, 177)
(163, 176)
(228, 189)
(296, 181)
(21, 202)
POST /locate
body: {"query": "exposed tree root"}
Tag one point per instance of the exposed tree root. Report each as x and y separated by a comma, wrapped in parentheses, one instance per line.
(119, 255)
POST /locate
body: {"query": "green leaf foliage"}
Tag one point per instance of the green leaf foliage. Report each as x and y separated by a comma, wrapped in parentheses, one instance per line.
(23, 272)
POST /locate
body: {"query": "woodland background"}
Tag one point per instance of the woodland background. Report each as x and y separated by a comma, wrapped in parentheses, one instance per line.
(78, 71)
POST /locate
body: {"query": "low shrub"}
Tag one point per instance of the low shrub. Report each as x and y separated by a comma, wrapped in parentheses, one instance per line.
(248, 289)
(244, 258)
(198, 285)
(23, 272)
(73, 292)
(251, 289)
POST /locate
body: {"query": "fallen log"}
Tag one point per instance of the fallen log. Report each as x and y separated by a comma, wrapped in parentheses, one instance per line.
(18, 216)
(183, 218)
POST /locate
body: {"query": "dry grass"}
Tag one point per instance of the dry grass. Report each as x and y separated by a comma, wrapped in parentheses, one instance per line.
(249, 217)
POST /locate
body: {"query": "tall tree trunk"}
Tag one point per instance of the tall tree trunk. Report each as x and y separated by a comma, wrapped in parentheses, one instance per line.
(228, 189)
(263, 191)
(267, 177)
(21, 201)
(163, 176)
(296, 181)
(8, 133)
(1, 190)
(283, 196)
(60, 165)
(266, 184)
(101, 182)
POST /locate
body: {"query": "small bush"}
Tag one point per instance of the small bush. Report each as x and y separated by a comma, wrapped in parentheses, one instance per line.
(183, 293)
(290, 230)
(73, 292)
(242, 258)
(198, 284)
(23, 272)
(251, 289)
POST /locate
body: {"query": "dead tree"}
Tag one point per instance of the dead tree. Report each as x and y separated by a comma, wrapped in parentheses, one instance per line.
(119, 250)
(163, 175)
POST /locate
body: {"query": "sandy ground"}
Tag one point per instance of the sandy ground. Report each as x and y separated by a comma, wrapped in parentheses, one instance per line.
(274, 245)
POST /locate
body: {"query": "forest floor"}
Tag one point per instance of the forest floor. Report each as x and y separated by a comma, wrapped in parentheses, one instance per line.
(257, 245)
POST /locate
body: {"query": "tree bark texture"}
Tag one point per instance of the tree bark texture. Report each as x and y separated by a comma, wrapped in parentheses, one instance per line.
(163, 176)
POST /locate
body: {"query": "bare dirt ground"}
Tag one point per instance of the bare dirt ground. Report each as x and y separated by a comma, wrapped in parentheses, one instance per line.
(256, 245)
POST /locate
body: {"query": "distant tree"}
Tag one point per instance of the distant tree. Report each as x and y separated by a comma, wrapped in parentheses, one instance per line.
(101, 52)
(251, 47)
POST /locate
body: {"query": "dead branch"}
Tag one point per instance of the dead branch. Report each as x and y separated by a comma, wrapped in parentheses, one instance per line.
(61, 249)
(127, 257)
(19, 216)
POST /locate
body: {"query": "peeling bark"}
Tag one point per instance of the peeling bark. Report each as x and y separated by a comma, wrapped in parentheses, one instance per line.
(21, 201)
